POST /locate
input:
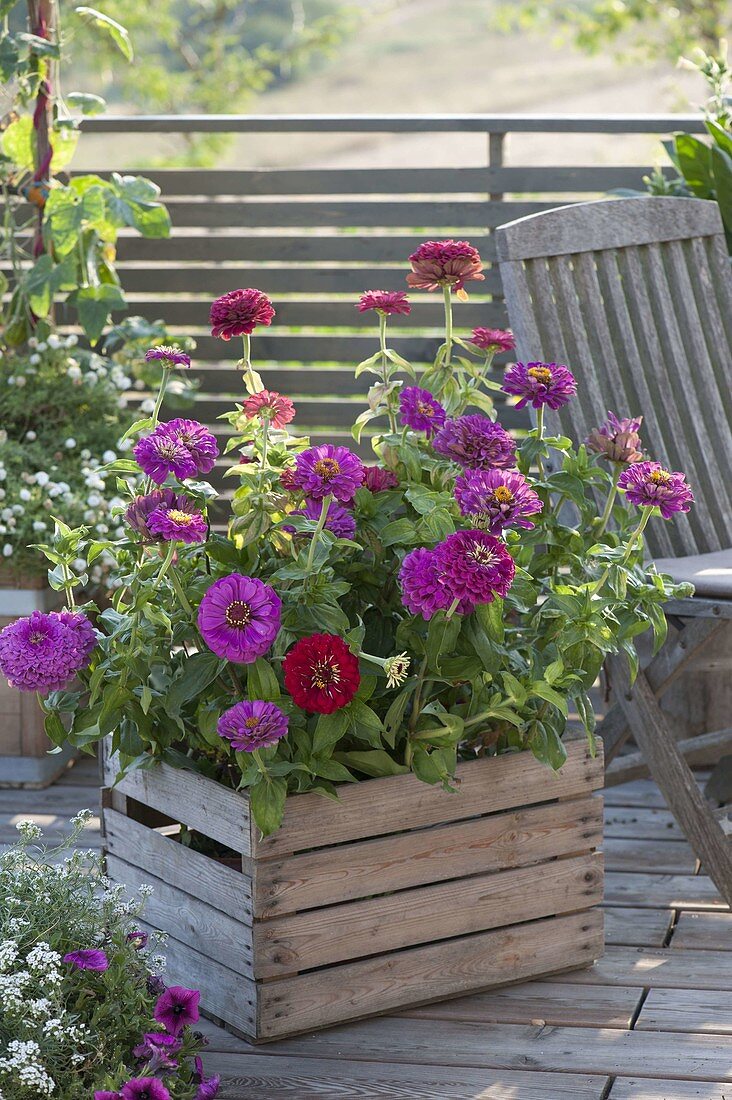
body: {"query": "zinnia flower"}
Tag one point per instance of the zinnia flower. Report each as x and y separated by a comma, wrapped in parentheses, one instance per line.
(139, 511)
(321, 673)
(493, 339)
(476, 442)
(386, 302)
(328, 470)
(169, 355)
(378, 480)
(161, 453)
(239, 618)
(339, 521)
(271, 406)
(540, 384)
(88, 958)
(422, 590)
(177, 1007)
(239, 312)
(474, 567)
(145, 1088)
(178, 525)
(617, 440)
(43, 651)
(288, 479)
(396, 669)
(198, 440)
(444, 263)
(419, 410)
(497, 498)
(649, 485)
(252, 724)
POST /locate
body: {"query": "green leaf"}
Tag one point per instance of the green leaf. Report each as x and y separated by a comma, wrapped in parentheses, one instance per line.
(367, 725)
(87, 103)
(267, 799)
(373, 762)
(441, 638)
(37, 285)
(94, 305)
(55, 729)
(695, 160)
(330, 728)
(331, 769)
(546, 692)
(262, 682)
(398, 532)
(195, 674)
(491, 618)
(722, 164)
(721, 136)
(110, 27)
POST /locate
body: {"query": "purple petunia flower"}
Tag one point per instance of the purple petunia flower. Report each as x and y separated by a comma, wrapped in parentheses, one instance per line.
(208, 1087)
(157, 1051)
(178, 525)
(154, 985)
(339, 520)
(473, 567)
(649, 485)
(239, 618)
(493, 339)
(419, 410)
(384, 301)
(320, 471)
(540, 384)
(378, 480)
(497, 498)
(198, 440)
(422, 590)
(138, 939)
(43, 651)
(252, 724)
(177, 1007)
(617, 439)
(161, 453)
(145, 1088)
(167, 353)
(105, 1094)
(88, 958)
(476, 442)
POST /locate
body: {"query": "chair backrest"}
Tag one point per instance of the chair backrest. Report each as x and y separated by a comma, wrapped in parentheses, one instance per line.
(635, 296)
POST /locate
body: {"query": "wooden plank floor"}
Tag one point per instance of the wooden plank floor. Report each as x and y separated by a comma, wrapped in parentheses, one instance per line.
(650, 1021)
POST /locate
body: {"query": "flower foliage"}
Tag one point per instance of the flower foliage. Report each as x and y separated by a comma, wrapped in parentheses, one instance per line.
(456, 597)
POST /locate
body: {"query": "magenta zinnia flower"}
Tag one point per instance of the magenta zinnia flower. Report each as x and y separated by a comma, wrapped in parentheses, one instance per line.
(419, 410)
(320, 471)
(252, 724)
(239, 618)
(473, 567)
(198, 440)
(497, 498)
(617, 440)
(87, 958)
(271, 406)
(239, 312)
(649, 485)
(178, 525)
(422, 591)
(476, 442)
(444, 263)
(493, 339)
(168, 354)
(540, 384)
(161, 453)
(43, 651)
(339, 521)
(384, 301)
(145, 1088)
(177, 1007)
(141, 508)
(378, 480)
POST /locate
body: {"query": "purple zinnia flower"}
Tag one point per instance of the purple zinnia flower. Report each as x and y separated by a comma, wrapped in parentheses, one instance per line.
(339, 520)
(167, 353)
(252, 724)
(198, 440)
(177, 1007)
(378, 480)
(43, 651)
(320, 471)
(649, 485)
(139, 511)
(239, 618)
(473, 567)
(540, 384)
(419, 410)
(497, 498)
(162, 453)
(493, 339)
(178, 525)
(138, 939)
(88, 958)
(422, 591)
(145, 1088)
(617, 439)
(476, 442)
(208, 1088)
(384, 301)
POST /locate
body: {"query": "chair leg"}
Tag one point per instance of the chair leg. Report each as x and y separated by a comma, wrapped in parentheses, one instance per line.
(674, 777)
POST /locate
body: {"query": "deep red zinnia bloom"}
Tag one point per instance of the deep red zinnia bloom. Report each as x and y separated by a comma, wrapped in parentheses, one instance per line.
(271, 406)
(239, 312)
(321, 673)
(444, 263)
(384, 301)
(493, 339)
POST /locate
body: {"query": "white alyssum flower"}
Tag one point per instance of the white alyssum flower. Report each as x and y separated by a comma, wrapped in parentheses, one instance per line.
(53, 341)
(42, 478)
(34, 359)
(31, 436)
(7, 550)
(25, 494)
(29, 830)
(109, 456)
(70, 443)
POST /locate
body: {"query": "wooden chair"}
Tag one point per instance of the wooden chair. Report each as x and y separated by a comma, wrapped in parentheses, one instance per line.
(635, 295)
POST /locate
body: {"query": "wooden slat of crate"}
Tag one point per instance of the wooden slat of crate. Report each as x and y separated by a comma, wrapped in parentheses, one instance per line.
(512, 839)
(321, 937)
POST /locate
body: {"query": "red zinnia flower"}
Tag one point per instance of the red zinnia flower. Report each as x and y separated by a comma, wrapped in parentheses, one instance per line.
(444, 263)
(493, 339)
(267, 404)
(321, 673)
(384, 301)
(239, 312)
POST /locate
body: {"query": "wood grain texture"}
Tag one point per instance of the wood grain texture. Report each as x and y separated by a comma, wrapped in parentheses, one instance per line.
(629, 1088)
(661, 890)
(694, 1010)
(664, 969)
(703, 931)
(629, 927)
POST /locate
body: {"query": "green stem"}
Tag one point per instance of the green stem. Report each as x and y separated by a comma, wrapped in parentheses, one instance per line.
(247, 362)
(416, 705)
(628, 550)
(265, 446)
(161, 394)
(178, 589)
(605, 517)
(452, 609)
(385, 373)
(257, 756)
(68, 592)
(165, 566)
(318, 531)
(540, 437)
(447, 294)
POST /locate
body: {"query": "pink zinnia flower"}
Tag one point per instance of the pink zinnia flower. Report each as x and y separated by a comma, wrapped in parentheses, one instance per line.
(87, 958)
(539, 384)
(239, 618)
(252, 724)
(271, 406)
(493, 339)
(497, 498)
(378, 480)
(177, 1007)
(198, 441)
(239, 312)
(141, 508)
(321, 674)
(384, 301)
(649, 485)
(617, 440)
(444, 263)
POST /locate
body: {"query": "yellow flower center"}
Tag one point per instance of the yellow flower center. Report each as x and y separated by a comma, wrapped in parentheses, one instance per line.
(324, 675)
(424, 409)
(251, 722)
(483, 555)
(36, 637)
(540, 374)
(238, 614)
(180, 517)
(327, 468)
(661, 477)
(503, 495)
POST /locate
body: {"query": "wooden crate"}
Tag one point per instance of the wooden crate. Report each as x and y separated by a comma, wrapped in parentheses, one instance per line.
(398, 895)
